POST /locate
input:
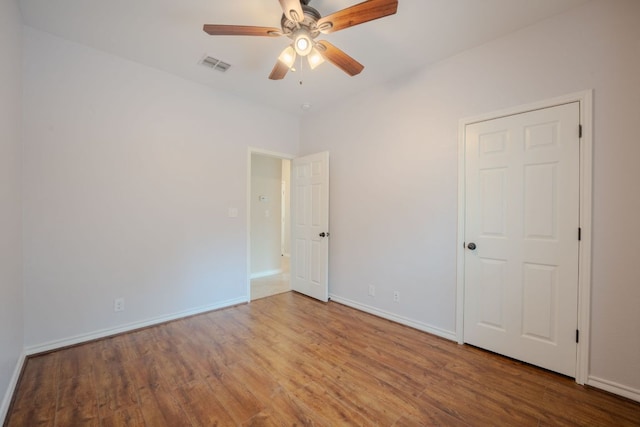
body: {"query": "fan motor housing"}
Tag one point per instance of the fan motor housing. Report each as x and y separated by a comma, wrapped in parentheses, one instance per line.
(311, 17)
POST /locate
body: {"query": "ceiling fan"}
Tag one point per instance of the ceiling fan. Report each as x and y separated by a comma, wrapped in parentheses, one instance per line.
(303, 24)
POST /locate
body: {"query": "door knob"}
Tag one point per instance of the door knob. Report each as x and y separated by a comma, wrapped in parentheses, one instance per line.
(323, 234)
(472, 246)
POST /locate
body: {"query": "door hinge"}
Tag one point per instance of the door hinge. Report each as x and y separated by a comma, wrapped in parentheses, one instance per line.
(579, 233)
(579, 131)
(577, 336)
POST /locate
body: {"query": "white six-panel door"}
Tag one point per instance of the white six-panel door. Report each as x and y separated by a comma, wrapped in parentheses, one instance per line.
(310, 222)
(522, 215)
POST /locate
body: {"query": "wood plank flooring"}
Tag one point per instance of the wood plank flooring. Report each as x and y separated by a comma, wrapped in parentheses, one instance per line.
(288, 360)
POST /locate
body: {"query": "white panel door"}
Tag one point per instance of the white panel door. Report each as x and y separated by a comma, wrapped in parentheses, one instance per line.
(522, 216)
(310, 222)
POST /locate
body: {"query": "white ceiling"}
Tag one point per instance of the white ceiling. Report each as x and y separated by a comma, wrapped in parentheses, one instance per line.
(167, 34)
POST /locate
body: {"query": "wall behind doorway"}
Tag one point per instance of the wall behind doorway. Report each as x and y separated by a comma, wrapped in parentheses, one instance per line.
(286, 207)
(266, 215)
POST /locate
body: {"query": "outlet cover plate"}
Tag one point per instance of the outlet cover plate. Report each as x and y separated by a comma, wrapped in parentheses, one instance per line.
(118, 304)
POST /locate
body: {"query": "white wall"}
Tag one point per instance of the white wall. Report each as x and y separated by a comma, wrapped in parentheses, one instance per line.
(11, 296)
(394, 172)
(266, 216)
(128, 176)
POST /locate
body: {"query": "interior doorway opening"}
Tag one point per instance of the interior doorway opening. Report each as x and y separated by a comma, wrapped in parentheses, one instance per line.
(270, 225)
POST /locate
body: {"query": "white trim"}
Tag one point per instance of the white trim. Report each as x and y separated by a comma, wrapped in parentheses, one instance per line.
(540, 105)
(78, 339)
(586, 212)
(260, 151)
(267, 153)
(613, 387)
(266, 273)
(13, 383)
(461, 233)
(585, 99)
(395, 318)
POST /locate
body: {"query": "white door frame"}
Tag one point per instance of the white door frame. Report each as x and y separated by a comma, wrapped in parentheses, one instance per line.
(267, 153)
(585, 100)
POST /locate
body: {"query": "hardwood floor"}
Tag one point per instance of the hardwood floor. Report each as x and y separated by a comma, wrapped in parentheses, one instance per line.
(289, 360)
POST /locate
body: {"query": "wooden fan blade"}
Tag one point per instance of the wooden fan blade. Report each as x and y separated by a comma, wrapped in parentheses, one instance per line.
(241, 30)
(358, 14)
(289, 6)
(279, 71)
(338, 58)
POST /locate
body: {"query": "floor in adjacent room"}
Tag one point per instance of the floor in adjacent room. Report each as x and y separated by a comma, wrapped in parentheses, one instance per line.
(272, 285)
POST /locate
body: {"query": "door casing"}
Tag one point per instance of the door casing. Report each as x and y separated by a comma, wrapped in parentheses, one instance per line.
(585, 99)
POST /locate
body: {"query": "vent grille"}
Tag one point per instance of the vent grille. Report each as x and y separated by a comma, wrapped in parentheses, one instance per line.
(216, 64)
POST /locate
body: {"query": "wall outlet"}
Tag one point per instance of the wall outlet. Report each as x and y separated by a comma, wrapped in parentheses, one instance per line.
(118, 304)
(372, 291)
(396, 296)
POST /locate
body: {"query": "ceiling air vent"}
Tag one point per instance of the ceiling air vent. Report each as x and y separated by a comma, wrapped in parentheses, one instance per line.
(215, 63)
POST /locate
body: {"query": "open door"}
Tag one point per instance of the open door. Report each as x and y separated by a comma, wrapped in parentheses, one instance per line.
(310, 225)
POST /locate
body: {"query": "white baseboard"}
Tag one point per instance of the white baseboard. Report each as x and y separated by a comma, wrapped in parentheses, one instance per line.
(395, 318)
(6, 400)
(615, 388)
(78, 339)
(266, 273)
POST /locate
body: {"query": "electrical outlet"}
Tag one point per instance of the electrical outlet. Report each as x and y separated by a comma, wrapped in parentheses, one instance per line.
(118, 304)
(396, 296)
(372, 291)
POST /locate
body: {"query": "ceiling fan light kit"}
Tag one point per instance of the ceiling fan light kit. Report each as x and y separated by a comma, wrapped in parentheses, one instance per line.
(288, 56)
(315, 58)
(303, 24)
(302, 42)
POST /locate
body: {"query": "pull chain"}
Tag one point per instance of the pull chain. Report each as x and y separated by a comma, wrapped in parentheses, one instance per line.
(301, 68)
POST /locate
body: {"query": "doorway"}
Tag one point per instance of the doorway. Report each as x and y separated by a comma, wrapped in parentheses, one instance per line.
(309, 223)
(270, 213)
(524, 233)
